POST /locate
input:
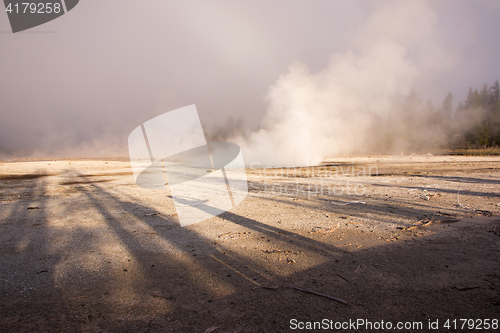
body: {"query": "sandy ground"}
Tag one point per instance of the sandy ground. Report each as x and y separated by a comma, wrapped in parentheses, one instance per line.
(398, 239)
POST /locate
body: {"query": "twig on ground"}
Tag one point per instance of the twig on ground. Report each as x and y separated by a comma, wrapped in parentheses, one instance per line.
(343, 278)
(265, 287)
(458, 199)
(211, 329)
(348, 203)
(425, 223)
(486, 213)
(495, 231)
(444, 213)
(317, 294)
(447, 220)
(357, 269)
(467, 288)
(165, 297)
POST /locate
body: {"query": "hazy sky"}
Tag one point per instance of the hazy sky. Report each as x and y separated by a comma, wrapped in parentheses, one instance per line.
(80, 84)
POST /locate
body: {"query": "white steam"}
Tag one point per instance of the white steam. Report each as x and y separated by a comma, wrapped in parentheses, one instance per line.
(312, 116)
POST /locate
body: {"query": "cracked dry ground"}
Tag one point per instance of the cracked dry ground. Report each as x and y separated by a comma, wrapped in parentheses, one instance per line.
(397, 239)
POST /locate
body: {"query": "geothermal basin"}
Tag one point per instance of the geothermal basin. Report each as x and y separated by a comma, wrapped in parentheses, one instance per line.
(401, 239)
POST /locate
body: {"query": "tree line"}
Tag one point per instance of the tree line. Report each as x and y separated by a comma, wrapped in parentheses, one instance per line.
(414, 126)
(477, 120)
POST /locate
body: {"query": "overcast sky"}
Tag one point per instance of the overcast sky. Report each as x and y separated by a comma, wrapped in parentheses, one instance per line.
(80, 84)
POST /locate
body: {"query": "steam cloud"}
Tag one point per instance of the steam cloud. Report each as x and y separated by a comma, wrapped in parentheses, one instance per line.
(80, 90)
(354, 105)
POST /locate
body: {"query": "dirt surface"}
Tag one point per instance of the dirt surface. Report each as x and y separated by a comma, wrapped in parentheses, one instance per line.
(398, 239)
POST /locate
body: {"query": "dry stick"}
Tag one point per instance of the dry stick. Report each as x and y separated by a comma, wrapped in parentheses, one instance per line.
(265, 287)
(149, 321)
(357, 268)
(447, 221)
(348, 203)
(317, 294)
(459, 201)
(165, 297)
(211, 329)
(468, 288)
(343, 278)
(425, 223)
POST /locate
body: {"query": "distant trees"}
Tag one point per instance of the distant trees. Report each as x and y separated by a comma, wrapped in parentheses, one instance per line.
(477, 120)
(413, 126)
(448, 106)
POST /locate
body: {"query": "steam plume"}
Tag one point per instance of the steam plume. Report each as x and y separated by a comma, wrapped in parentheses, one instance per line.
(314, 115)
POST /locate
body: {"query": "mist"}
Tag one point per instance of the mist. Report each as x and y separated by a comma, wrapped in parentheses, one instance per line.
(291, 82)
(359, 102)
